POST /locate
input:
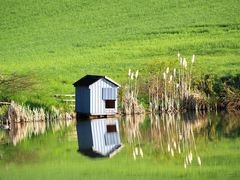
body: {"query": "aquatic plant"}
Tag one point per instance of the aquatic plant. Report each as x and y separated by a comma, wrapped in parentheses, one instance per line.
(130, 103)
(19, 113)
(173, 92)
(25, 122)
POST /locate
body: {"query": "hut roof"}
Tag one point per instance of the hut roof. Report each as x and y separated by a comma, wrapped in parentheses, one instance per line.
(90, 79)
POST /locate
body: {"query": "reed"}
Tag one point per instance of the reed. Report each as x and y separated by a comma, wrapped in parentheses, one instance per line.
(25, 122)
(173, 92)
(130, 103)
(19, 113)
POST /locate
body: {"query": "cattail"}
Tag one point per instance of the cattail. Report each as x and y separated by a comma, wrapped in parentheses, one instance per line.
(180, 137)
(136, 75)
(141, 152)
(167, 70)
(177, 85)
(186, 160)
(199, 161)
(193, 58)
(168, 147)
(134, 156)
(170, 79)
(132, 94)
(129, 72)
(132, 76)
(136, 151)
(179, 150)
(175, 145)
(189, 158)
(164, 75)
(172, 152)
(184, 62)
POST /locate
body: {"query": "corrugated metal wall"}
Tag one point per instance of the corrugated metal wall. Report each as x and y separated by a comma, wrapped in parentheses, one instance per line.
(100, 135)
(97, 104)
(84, 134)
(82, 102)
(112, 138)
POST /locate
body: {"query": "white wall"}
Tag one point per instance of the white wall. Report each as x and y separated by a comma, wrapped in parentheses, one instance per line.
(97, 104)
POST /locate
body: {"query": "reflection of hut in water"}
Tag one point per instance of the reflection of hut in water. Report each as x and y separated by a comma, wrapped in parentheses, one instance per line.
(96, 96)
(99, 137)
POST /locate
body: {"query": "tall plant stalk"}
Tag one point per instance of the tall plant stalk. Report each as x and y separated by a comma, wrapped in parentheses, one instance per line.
(175, 88)
(130, 99)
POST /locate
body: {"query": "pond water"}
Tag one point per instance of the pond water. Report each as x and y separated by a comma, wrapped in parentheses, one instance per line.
(159, 145)
(161, 130)
(178, 134)
(27, 130)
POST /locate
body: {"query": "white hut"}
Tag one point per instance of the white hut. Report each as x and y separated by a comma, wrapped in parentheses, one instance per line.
(96, 95)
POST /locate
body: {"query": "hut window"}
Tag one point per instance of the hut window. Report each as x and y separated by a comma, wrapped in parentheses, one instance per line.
(112, 136)
(111, 128)
(109, 93)
(110, 104)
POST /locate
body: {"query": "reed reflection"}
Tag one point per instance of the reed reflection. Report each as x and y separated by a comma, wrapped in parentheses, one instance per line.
(174, 134)
(131, 128)
(24, 130)
(169, 133)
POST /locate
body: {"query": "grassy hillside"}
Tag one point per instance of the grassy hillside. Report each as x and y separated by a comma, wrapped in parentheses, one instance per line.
(60, 41)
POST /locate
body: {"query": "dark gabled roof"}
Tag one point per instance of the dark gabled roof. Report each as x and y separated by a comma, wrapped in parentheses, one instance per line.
(90, 79)
(87, 80)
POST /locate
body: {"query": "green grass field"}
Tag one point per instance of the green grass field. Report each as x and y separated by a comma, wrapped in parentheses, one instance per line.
(57, 42)
(60, 41)
(55, 156)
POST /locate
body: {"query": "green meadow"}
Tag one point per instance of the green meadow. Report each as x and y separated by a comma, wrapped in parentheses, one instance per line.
(55, 156)
(58, 42)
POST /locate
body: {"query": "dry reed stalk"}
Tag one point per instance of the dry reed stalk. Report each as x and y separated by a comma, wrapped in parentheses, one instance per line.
(19, 113)
(174, 90)
(130, 101)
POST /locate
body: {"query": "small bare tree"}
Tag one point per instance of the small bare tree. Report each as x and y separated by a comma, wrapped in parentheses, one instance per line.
(15, 83)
